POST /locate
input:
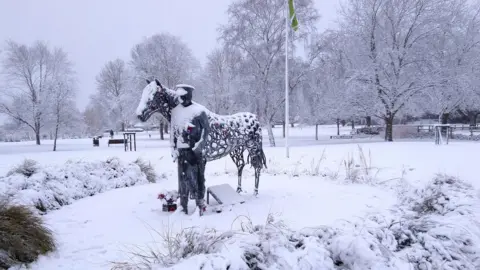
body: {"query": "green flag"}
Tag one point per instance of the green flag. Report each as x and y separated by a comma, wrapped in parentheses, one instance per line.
(293, 16)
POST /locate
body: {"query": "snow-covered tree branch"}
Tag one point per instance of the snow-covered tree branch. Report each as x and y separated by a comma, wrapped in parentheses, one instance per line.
(115, 91)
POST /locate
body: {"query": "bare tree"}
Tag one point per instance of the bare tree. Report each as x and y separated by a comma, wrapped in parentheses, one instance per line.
(331, 99)
(391, 34)
(454, 58)
(63, 108)
(95, 116)
(114, 88)
(257, 29)
(167, 58)
(31, 72)
(222, 80)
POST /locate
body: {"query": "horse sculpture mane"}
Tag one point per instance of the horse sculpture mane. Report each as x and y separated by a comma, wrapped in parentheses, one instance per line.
(229, 134)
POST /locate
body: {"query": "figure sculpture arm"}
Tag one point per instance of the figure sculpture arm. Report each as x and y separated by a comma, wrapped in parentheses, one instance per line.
(201, 133)
(173, 145)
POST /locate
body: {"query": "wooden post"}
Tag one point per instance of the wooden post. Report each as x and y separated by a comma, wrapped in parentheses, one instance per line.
(130, 140)
(161, 129)
(128, 137)
(135, 141)
(448, 133)
(125, 141)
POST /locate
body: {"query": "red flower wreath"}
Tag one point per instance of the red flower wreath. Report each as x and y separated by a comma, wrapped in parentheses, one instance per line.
(168, 196)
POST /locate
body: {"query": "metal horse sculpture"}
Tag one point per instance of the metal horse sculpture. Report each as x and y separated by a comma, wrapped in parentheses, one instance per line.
(229, 134)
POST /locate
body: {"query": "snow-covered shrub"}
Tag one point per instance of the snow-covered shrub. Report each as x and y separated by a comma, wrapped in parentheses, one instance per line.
(147, 169)
(23, 235)
(51, 187)
(440, 228)
(27, 168)
(443, 195)
(270, 246)
(435, 227)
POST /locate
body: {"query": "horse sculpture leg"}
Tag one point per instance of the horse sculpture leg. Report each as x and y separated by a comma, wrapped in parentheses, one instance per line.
(237, 157)
(258, 161)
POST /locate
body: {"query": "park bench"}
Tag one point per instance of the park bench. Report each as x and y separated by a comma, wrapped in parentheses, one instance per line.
(342, 137)
(116, 141)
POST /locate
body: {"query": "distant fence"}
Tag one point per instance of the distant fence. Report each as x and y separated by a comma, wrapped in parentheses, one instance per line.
(431, 128)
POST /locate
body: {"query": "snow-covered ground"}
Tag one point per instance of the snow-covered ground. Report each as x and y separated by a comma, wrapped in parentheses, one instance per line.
(324, 182)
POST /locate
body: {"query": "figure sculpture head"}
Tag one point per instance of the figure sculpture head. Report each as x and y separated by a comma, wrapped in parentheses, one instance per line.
(185, 94)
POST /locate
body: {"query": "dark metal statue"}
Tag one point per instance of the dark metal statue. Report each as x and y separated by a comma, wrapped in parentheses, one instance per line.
(228, 134)
(189, 132)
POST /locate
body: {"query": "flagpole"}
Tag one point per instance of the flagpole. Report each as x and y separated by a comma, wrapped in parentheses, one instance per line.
(286, 79)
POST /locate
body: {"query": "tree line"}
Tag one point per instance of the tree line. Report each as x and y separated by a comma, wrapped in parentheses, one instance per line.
(384, 60)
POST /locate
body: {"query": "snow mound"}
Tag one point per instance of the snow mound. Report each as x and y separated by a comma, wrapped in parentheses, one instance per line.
(50, 187)
(431, 228)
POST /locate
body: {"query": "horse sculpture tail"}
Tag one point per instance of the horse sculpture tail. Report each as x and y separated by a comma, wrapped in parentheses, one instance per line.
(264, 158)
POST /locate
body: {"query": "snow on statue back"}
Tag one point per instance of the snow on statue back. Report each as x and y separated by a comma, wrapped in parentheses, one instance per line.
(229, 134)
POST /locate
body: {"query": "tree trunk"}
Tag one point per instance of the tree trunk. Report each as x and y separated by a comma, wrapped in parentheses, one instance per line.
(123, 126)
(316, 132)
(292, 125)
(472, 116)
(37, 137)
(338, 126)
(161, 130)
(353, 124)
(166, 128)
(389, 127)
(37, 131)
(369, 121)
(444, 120)
(271, 138)
(55, 136)
(283, 127)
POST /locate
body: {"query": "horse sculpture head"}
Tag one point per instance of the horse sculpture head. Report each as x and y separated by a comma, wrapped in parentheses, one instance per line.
(156, 98)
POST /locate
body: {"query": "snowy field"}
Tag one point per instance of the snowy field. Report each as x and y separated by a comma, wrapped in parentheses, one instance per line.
(323, 183)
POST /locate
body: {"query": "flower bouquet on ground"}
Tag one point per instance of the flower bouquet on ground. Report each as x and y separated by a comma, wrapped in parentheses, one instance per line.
(170, 198)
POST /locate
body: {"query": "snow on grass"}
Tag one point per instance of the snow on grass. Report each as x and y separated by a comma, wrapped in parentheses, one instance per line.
(431, 228)
(107, 227)
(50, 187)
(347, 187)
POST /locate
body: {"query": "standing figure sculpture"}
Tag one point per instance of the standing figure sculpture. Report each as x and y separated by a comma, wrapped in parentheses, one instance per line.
(227, 135)
(189, 129)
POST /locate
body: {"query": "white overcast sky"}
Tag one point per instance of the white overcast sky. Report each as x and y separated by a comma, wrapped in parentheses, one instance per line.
(96, 31)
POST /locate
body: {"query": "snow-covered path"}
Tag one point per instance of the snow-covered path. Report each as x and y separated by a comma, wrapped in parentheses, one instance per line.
(97, 230)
